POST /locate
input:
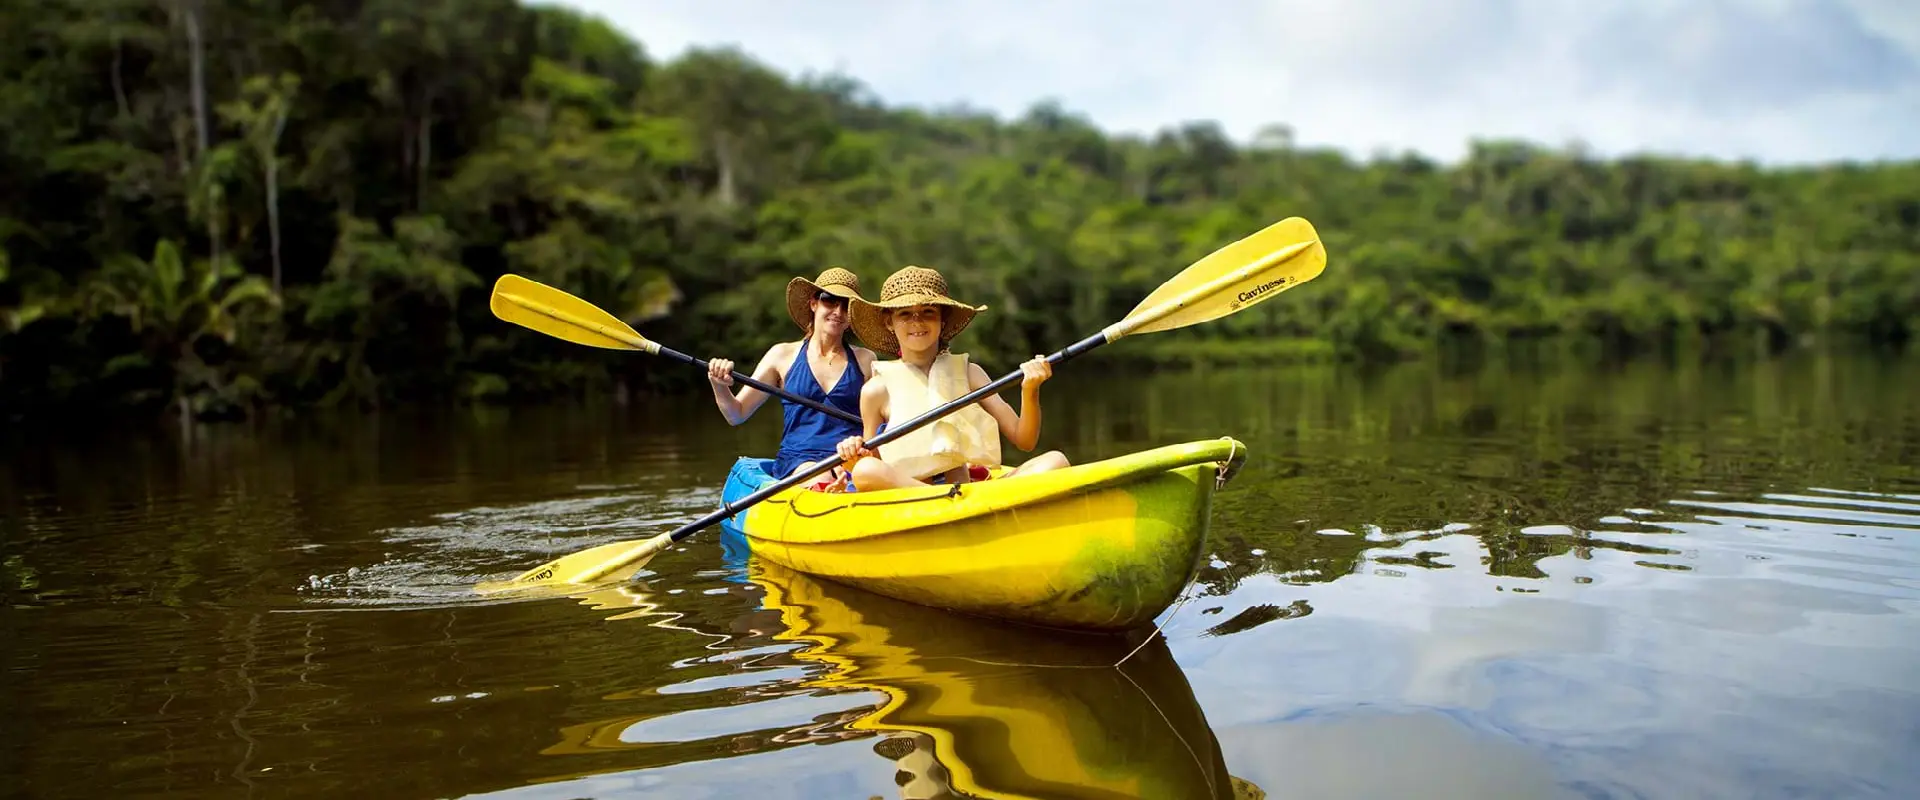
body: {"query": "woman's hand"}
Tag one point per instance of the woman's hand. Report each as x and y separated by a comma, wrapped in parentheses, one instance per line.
(1035, 372)
(720, 372)
(852, 449)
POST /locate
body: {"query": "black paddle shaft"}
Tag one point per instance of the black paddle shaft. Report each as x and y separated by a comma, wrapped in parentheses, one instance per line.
(890, 434)
(780, 393)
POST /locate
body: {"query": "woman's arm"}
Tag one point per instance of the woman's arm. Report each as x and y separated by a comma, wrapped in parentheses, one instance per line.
(737, 408)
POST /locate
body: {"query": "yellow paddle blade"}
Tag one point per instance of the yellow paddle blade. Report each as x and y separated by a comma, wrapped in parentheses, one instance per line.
(1238, 276)
(614, 561)
(535, 305)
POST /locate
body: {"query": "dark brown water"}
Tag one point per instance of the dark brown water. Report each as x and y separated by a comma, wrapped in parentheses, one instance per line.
(1655, 580)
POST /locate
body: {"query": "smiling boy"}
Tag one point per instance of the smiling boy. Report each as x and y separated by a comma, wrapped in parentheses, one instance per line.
(917, 319)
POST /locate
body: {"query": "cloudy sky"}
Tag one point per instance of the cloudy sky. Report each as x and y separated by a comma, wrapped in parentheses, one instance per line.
(1774, 80)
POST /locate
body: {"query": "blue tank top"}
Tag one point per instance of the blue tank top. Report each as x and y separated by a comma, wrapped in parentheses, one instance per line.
(808, 435)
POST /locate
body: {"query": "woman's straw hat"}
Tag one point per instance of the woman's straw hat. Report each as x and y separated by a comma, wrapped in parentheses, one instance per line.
(912, 286)
(800, 291)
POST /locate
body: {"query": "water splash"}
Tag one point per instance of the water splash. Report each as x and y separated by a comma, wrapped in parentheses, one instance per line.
(438, 563)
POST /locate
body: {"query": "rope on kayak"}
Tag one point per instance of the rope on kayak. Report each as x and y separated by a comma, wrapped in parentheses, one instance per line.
(1224, 470)
(1159, 629)
(1221, 474)
(952, 492)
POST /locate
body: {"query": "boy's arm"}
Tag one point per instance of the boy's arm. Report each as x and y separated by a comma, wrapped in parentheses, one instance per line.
(1022, 428)
(873, 411)
(873, 407)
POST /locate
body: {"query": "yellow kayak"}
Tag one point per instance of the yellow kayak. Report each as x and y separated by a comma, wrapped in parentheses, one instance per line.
(1103, 546)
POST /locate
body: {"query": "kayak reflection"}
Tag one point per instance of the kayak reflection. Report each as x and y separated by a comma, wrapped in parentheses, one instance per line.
(980, 708)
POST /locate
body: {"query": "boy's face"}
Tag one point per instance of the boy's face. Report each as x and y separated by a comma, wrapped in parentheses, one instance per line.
(917, 327)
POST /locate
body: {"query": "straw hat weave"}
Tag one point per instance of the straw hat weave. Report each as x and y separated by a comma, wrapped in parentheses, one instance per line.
(912, 286)
(800, 292)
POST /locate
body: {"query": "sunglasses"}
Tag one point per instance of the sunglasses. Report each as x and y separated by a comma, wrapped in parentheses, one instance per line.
(832, 300)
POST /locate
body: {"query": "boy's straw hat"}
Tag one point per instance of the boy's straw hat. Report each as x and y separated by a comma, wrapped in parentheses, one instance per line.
(912, 286)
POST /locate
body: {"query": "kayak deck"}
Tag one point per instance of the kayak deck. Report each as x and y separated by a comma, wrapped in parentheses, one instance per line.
(1106, 545)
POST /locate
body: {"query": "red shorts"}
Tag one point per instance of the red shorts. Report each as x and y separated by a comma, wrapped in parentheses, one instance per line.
(839, 480)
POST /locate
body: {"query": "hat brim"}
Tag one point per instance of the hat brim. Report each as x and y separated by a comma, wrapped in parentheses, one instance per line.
(870, 319)
(800, 293)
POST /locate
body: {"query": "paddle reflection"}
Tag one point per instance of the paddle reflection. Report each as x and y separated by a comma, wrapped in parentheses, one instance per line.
(976, 708)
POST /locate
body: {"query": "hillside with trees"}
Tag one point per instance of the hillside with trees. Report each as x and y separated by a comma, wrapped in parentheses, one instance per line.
(219, 207)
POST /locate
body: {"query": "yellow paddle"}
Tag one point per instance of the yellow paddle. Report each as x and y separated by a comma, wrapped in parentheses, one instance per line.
(531, 304)
(1233, 278)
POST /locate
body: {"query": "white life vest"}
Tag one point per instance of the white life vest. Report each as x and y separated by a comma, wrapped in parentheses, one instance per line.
(967, 436)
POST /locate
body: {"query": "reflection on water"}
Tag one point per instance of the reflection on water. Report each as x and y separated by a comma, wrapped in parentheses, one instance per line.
(961, 707)
(1655, 580)
(1764, 640)
(1006, 711)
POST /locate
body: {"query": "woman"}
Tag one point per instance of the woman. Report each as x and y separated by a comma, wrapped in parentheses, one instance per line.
(816, 367)
(918, 320)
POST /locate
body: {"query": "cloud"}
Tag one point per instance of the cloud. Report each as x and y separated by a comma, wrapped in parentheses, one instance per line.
(1733, 57)
(1772, 80)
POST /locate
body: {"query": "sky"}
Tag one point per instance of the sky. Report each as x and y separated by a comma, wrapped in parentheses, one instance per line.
(1775, 81)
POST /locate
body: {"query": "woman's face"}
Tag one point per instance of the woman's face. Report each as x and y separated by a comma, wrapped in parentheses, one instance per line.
(917, 327)
(829, 314)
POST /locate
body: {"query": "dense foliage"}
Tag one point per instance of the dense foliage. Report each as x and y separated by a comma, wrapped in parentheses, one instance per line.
(218, 205)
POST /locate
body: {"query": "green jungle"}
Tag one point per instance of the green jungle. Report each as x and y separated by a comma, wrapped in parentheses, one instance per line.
(222, 208)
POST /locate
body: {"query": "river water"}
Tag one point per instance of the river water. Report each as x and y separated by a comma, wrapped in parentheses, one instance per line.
(1650, 580)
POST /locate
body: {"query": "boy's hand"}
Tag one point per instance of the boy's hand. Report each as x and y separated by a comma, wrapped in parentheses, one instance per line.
(1035, 372)
(850, 450)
